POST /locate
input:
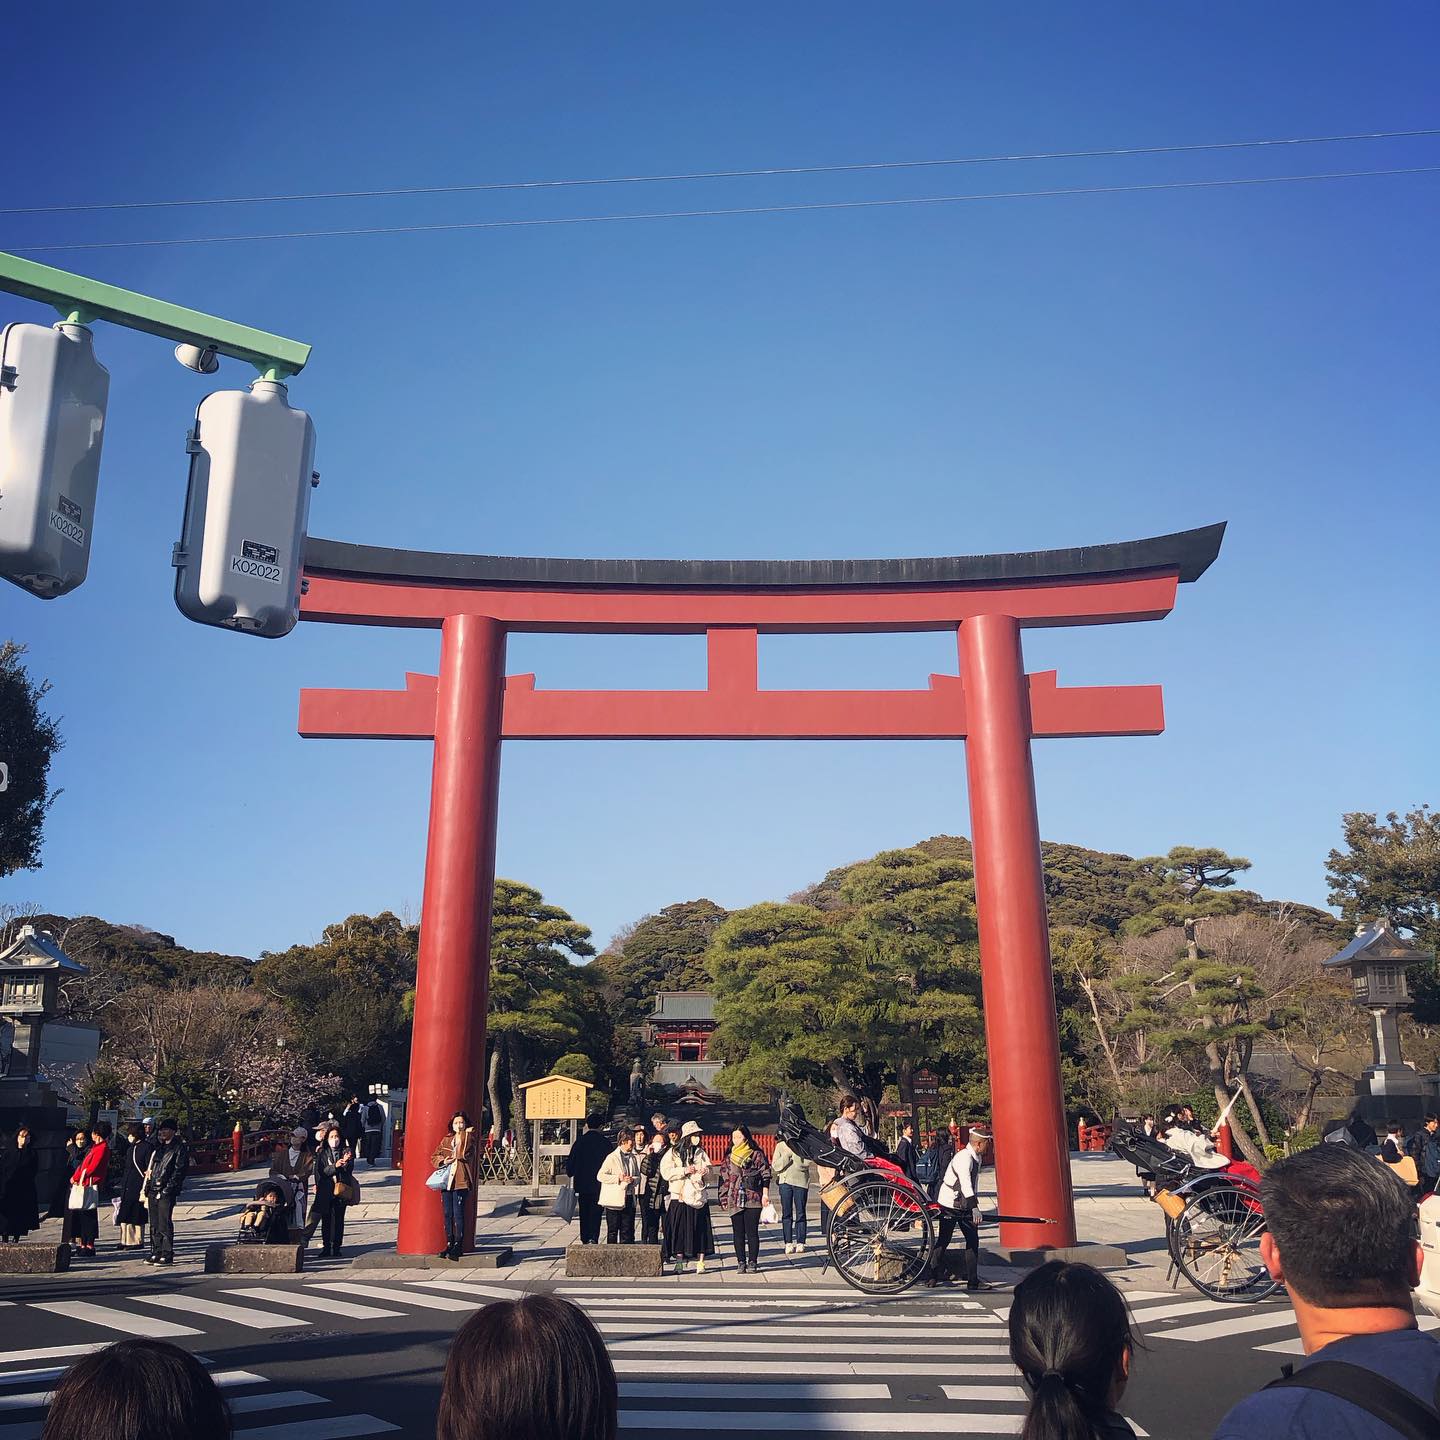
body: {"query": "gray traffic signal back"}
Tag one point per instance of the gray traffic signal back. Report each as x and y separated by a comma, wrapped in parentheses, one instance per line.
(242, 545)
(52, 420)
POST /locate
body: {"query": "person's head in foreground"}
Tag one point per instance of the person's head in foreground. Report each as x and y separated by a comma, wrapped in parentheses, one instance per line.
(528, 1369)
(137, 1390)
(1340, 1237)
(1070, 1339)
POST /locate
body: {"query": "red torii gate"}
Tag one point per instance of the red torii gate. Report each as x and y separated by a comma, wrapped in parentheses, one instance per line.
(476, 600)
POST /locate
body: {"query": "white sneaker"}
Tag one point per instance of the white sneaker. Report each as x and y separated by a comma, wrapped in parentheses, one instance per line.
(789, 1249)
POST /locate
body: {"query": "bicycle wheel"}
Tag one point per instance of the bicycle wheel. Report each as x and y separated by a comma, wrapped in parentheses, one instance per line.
(880, 1239)
(1216, 1244)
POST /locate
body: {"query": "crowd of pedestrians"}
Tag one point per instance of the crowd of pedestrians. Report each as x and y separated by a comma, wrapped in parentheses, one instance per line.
(1340, 1238)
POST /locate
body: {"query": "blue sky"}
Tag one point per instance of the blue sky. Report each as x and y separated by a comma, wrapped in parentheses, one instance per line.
(947, 379)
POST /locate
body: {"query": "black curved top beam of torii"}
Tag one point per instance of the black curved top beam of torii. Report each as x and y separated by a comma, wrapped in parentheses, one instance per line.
(1187, 554)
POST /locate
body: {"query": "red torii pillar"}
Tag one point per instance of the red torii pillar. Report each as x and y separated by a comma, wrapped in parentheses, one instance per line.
(992, 704)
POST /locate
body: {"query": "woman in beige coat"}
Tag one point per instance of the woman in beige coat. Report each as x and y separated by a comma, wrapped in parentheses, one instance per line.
(456, 1150)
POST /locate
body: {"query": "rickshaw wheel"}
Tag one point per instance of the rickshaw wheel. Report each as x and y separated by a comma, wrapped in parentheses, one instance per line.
(1215, 1243)
(880, 1237)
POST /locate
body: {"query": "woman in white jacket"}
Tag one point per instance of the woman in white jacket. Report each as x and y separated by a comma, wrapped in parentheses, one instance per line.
(686, 1170)
(619, 1180)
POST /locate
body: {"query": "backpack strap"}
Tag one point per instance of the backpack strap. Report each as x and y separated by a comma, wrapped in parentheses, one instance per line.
(1391, 1404)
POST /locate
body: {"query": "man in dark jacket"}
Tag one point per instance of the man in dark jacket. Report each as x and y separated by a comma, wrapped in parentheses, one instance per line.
(905, 1156)
(352, 1125)
(164, 1176)
(582, 1165)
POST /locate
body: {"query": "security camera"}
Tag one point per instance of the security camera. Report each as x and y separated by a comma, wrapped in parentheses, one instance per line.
(202, 359)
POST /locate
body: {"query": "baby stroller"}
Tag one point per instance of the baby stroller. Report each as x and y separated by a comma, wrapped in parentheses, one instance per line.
(266, 1217)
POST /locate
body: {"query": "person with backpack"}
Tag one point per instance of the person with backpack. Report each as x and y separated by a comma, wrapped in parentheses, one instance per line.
(373, 1136)
(1340, 1238)
(792, 1175)
(931, 1166)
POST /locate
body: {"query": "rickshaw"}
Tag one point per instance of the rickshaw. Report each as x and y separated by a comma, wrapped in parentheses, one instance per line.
(882, 1224)
(1213, 1219)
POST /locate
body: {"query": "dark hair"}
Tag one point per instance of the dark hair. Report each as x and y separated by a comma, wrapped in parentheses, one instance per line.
(137, 1390)
(1343, 1226)
(102, 1129)
(594, 1120)
(528, 1369)
(1431, 1115)
(1069, 1335)
(745, 1131)
(847, 1100)
(459, 1115)
(134, 1132)
(907, 1124)
(168, 1123)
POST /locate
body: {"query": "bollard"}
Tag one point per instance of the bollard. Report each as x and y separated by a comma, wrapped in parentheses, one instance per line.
(237, 1141)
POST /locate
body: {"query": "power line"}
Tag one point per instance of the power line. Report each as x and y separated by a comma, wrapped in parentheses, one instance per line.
(739, 210)
(715, 174)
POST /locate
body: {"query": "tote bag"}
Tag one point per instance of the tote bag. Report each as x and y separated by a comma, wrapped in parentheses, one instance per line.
(440, 1179)
(84, 1197)
(564, 1205)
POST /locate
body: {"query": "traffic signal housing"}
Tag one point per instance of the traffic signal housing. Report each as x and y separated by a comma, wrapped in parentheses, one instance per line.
(240, 557)
(53, 393)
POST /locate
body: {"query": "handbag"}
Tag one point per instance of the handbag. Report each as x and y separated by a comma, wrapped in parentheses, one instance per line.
(768, 1216)
(564, 1205)
(346, 1191)
(439, 1178)
(83, 1197)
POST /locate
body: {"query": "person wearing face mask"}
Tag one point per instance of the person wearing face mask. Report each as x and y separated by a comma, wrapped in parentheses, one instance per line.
(688, 1232)
(296, 1164)
(334, 1187)
(456, 1152)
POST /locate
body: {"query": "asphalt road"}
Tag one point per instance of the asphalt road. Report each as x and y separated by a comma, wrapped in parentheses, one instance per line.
(336, 1355)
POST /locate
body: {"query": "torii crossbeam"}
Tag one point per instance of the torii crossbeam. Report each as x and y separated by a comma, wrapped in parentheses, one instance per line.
(471, 706)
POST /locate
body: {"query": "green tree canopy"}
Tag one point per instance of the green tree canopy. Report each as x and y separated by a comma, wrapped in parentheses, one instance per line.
(1390, 869)
(28, 741)
(542, 1004)
(345, 997)
(665, 951)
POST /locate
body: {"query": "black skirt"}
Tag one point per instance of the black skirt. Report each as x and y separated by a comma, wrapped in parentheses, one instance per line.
(688, 1233)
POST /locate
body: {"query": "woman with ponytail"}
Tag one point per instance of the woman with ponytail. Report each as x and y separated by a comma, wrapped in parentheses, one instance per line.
(1070, 1339)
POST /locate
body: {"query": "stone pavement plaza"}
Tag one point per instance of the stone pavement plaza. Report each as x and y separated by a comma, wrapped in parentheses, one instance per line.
(1110, 1210)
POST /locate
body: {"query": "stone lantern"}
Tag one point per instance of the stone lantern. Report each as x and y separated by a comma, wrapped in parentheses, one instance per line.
(31, 970)
(1377, 959)
(30, 973)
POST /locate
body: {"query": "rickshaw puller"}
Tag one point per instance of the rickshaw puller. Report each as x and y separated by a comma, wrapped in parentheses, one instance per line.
(959, 1197)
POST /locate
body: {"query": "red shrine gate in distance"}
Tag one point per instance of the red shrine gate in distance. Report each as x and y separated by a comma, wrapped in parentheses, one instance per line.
(476, 600)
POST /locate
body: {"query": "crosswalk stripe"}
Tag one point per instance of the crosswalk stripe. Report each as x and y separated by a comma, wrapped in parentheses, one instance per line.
(281, 1295)
(951, 1370)
(29, 1399)
(215, 1310)
(1183, 1307)
(274, 1400)
(1145, 1294)
(882, 1422)
(984, 1392)
(1236, 1325)
(776, 1390)
(772, 1347)
(332, 1427)
(50, 1352)
(122, 1320)
(466, 1287)
(374, 1292)
(1294, 1346)
(724, 1330)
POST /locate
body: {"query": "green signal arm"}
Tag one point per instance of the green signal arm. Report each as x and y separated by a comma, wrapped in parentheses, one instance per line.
(83, 299)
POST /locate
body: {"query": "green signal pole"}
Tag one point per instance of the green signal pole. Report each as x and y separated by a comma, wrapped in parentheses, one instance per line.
(81, 300)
